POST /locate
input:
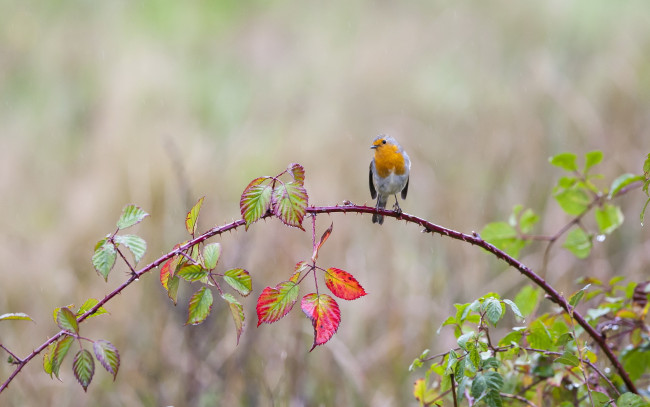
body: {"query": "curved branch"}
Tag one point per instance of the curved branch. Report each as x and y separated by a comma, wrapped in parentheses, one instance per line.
(476, 240)
(473, 239)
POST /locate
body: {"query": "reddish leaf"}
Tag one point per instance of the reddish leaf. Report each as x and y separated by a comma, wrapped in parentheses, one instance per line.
(289, 203)
(83, 367)
(325, 316)
(200, 306)
(276, 302)
(193, 216)
(166, 272)
(297, 172)
(108, 356)
(255, 200)
(300, 267)
(172, 290)
(237, 312)
(240, 280)
(343, 285)
(67, 320)
(323, 238)
(59, 353)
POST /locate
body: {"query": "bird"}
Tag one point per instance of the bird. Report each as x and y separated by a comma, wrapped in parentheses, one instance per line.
(389, 173)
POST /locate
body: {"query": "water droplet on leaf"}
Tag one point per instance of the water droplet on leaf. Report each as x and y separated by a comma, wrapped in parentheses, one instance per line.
(601, 238)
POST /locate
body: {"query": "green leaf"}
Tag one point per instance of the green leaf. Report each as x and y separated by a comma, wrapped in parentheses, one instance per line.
(255, 200)
(211, 254)
(67, 320)
(131, 215)
(83, 367)
(623, 181)
(108, 356)
(193, 216)
(59, 353)
(642, 216)
(564, 338)
(576, 297)
(600, 399)
(172, 288)
(104, 258)
(578, 242)
(192, 272)
(504, 237)
(493, 380)
(513, 307)
(609, 217)
(463, 339)
(474, 355)
(86, 306)
(452, 360)
(493, 310)
(237, 312)
(289, 203)
(538, 336)
(240, 280)
(448, 321)
(573, 201)
(568, 359)
(565, 161)
(48, 358)
(490, 363)
(479, 386)
(493, 399)
(512, 336)
(646, 166)
(459, 371)
(136, 245)
(200, 306)
(636, 362)
(419, 361)
(528, 220)
(526, 300)
(592, 158)
(631, 400)
(15, 316)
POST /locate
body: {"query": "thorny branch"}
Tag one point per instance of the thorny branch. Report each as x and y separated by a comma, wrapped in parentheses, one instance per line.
(427, 226)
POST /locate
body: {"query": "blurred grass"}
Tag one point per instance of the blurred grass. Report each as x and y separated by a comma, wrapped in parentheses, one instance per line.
(104, 104)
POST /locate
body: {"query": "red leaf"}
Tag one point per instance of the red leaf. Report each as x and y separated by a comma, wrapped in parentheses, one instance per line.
(324, 314)
(323, 238)
(343, 285)
(300, 267)
(276, 302)
(165, 272)
(297, 172)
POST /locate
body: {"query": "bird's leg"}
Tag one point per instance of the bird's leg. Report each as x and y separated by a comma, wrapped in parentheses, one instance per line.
(396, 207)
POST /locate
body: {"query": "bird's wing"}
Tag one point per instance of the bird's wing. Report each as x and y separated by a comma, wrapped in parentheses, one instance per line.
(373, 192)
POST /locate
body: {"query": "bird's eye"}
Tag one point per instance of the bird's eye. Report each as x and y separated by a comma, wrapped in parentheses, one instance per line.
(383, 142)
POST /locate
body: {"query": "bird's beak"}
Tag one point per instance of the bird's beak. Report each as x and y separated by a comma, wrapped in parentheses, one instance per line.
(373, 147)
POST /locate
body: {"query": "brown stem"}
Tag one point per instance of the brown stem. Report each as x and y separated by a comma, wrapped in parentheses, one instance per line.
(429, 227)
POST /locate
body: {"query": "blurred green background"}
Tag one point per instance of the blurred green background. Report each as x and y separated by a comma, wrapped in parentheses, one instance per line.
(159, 103)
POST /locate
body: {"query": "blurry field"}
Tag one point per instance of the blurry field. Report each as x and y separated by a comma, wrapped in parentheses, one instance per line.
(159, 103)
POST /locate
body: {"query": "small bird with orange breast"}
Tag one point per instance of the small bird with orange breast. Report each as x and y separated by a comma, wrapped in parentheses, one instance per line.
(389, 173)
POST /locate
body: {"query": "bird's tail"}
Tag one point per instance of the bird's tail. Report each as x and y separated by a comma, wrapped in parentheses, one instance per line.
(381, 203)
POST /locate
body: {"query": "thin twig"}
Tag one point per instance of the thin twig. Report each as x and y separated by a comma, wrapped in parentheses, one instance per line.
(519, 398)
(17, 360)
